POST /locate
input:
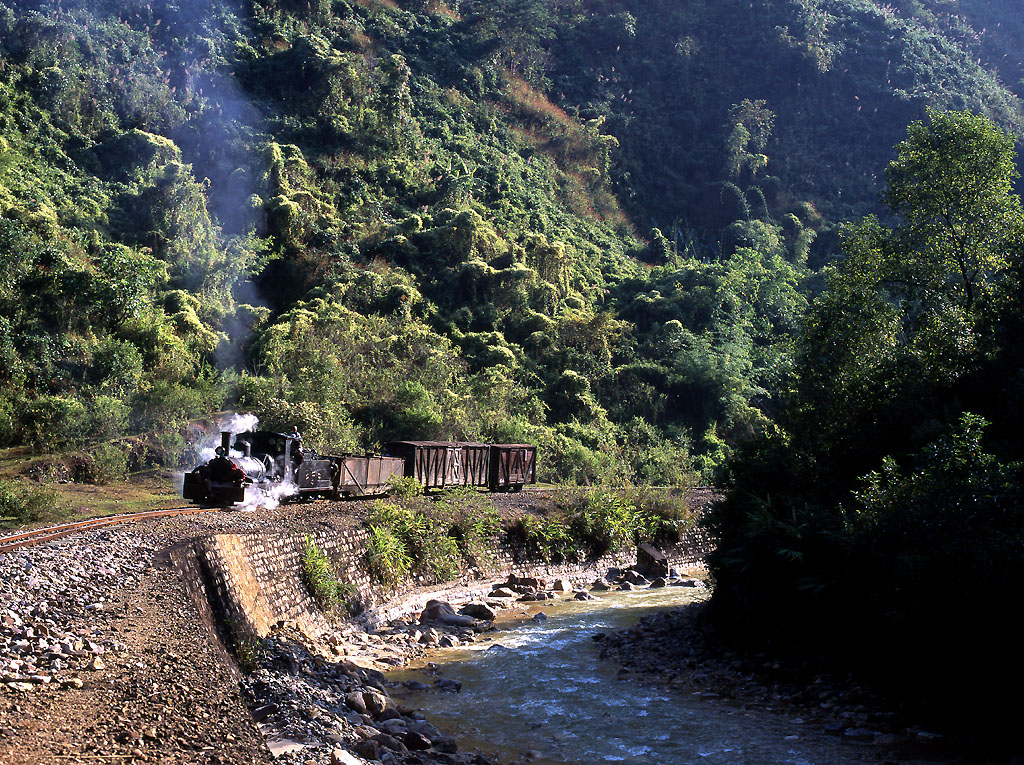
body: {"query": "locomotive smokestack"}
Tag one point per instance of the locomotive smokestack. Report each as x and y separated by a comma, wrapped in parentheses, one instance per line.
(225, 441)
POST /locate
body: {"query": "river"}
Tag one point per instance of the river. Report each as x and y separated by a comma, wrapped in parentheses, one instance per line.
(539, 687)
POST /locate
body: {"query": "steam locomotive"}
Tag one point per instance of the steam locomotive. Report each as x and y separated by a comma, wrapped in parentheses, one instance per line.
(276, 465)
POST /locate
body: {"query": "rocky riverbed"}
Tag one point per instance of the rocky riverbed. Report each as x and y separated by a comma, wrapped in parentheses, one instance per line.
(321, 698)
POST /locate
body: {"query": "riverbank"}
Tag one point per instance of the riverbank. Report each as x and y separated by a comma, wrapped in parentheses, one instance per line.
(676, 649)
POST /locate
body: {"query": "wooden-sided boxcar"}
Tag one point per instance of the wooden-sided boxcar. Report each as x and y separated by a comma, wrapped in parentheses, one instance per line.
(441, 464)
(512, 466)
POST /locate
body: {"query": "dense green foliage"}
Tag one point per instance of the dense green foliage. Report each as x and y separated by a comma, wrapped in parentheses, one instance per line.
(432, 538)
(436, 538)
(587, 225)
(590, 523)
(320, 578)
(897, 458)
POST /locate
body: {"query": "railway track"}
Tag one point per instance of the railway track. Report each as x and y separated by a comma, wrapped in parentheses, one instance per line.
(50, 533)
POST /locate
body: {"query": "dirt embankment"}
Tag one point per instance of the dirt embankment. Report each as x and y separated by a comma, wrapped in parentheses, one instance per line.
(103, 657)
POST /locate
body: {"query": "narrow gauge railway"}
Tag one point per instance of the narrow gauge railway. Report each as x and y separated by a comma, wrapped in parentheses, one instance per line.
(50, 533)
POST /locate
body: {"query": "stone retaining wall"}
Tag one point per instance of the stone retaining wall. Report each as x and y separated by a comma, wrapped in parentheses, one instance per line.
(250, 582)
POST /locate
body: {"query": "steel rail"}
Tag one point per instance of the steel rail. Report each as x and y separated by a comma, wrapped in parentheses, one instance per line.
(50, 533)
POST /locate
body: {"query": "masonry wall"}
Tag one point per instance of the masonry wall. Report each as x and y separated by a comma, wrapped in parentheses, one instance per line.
(252, 581)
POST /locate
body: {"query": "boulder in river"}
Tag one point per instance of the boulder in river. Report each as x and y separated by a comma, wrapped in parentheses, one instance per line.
(599, 586)
(651, 561)
(526, 581)
(438, 610)
(478, 611)
(635, 577)
(686, 583)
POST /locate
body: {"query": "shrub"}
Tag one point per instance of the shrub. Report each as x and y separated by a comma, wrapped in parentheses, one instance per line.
(20, 504)
(106, 464)
(668, 510)
(387, 557)
(327, 590)
(107, 417)
(594, 522)
(407, 538)
(550, 538)
(404, 487)
(55, 422)
(167, 448)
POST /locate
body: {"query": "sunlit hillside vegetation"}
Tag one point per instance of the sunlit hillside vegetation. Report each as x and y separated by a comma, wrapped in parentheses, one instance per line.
(594, 226)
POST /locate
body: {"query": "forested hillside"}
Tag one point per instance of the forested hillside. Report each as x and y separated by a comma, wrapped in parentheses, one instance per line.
(595, 226)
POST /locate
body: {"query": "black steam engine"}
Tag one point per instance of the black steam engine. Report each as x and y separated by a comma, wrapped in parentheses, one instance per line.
(278, 465)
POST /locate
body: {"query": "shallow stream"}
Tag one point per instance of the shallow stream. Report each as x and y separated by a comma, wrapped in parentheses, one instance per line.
(541, 687)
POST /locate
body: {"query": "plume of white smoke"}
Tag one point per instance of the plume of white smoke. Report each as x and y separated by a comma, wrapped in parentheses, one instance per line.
(234, 423)
(268, 496)
(257, 496)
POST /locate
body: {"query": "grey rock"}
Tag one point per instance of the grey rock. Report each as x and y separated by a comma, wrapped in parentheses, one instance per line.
(425, 729)
(530, 582)
(341, 757)
(368, 749)
(394, 727)
(390, 742)
(634, 577)
(478, 611)
(448, 685)
(438, 610)
(686, 583)
(415, 741)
